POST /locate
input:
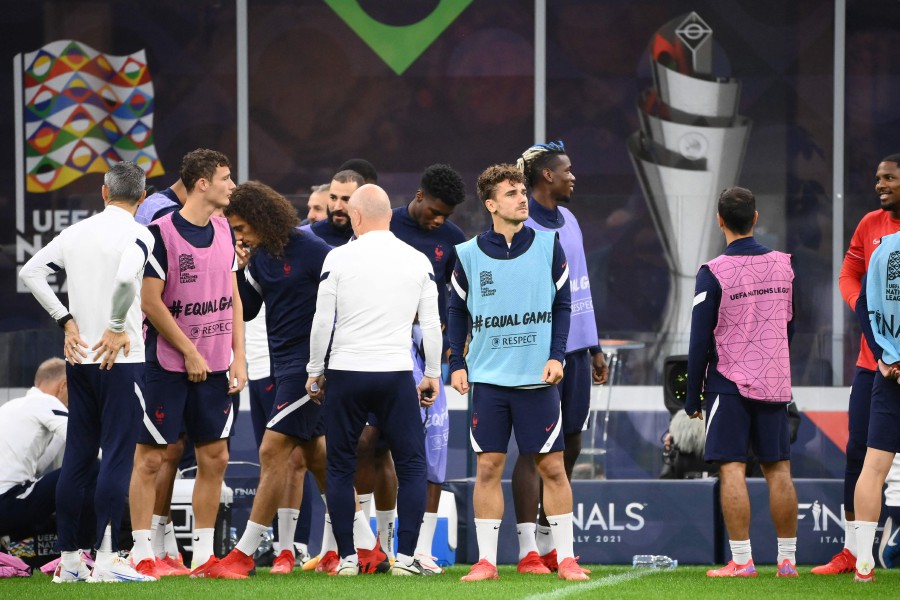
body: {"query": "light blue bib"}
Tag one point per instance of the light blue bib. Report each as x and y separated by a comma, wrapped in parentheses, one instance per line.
(511, 303)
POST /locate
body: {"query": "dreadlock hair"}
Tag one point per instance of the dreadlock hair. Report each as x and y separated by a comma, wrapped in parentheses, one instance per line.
(271, 215)
(537, 158)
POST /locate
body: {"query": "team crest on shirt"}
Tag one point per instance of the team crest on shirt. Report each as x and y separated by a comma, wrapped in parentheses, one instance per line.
(487, 279)
(893, 266)
(287, 270)
(186, 263)
(439, 253)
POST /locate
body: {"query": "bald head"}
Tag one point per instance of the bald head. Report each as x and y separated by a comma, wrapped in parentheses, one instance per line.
(370, 209)
(50, 378)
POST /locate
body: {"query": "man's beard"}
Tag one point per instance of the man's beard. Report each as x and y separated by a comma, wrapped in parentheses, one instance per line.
(339, 226)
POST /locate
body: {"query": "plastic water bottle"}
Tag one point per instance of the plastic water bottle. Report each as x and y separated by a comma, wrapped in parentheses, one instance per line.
(643, 560)
(653, 561)
(232, 538)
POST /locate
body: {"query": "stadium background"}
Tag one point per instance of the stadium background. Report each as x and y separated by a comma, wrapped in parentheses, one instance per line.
(318, 94)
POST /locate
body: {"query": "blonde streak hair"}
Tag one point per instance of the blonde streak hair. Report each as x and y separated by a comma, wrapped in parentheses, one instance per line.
(527, 159)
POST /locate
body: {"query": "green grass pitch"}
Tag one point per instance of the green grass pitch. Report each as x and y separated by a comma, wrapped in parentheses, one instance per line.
(606, 582)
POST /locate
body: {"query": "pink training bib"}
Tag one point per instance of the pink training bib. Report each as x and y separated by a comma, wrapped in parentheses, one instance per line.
(199, 294)
(751, 335)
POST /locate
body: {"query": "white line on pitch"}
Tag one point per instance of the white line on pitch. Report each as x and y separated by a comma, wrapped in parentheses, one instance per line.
(596, 583)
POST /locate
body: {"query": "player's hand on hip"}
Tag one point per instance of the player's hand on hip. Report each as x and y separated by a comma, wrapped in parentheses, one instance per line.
(600, 371)
(553, 372)
(315, 387)
(196, 367)
(459, 380)
(74, 347)
(237, 378)
(108, 347)
(428, 390)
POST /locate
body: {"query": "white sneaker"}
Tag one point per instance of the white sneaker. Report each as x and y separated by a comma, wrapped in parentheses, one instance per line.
(348, 567)
(415, 569)
(119, 570)
(427, 563)
(64, 575)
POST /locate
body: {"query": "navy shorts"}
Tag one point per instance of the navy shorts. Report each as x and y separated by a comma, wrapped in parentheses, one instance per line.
(262, 399)
(735, 424)
(174, 405)
(884, 421)
(293, 413)
(534, 413)
(575, 392)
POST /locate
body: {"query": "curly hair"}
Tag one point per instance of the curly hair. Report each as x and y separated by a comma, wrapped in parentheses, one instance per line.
(442, 182)
(495, 175)
(537, 158)
(201, 164)
(271, 215)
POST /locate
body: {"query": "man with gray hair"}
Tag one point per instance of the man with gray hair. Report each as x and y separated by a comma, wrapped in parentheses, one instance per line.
(104, 258)
(375, 287)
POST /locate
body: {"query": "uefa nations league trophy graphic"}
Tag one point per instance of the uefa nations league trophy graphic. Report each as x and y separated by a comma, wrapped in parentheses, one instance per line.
(689, 148)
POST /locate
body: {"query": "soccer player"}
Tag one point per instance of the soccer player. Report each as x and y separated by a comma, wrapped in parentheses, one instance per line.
(161, 203)
(374, 288)
(284, 271)
(513, 283)
(195, 352)
(745, 373)
(872, 227)
(424, 225)
(336, 229)
(103, 257)
(884, 422)
(548, 172)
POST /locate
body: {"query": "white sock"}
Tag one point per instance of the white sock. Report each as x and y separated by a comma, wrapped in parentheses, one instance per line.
(287, 527)
(71, 560)
(202, 546)
(487, 532)
(426, 535)
(787, 549)
(385, 520)
(106, 543)
(527, 542)
(563, 537)
(253, 535)
(365, 503)
(158, 535)
(865, 537)
(363, 538)
(740, 551)
(143, 549)
(353, 559)
(544, 540)
(850, 537)
(171, 542)
(328, 541)
(405, 559)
